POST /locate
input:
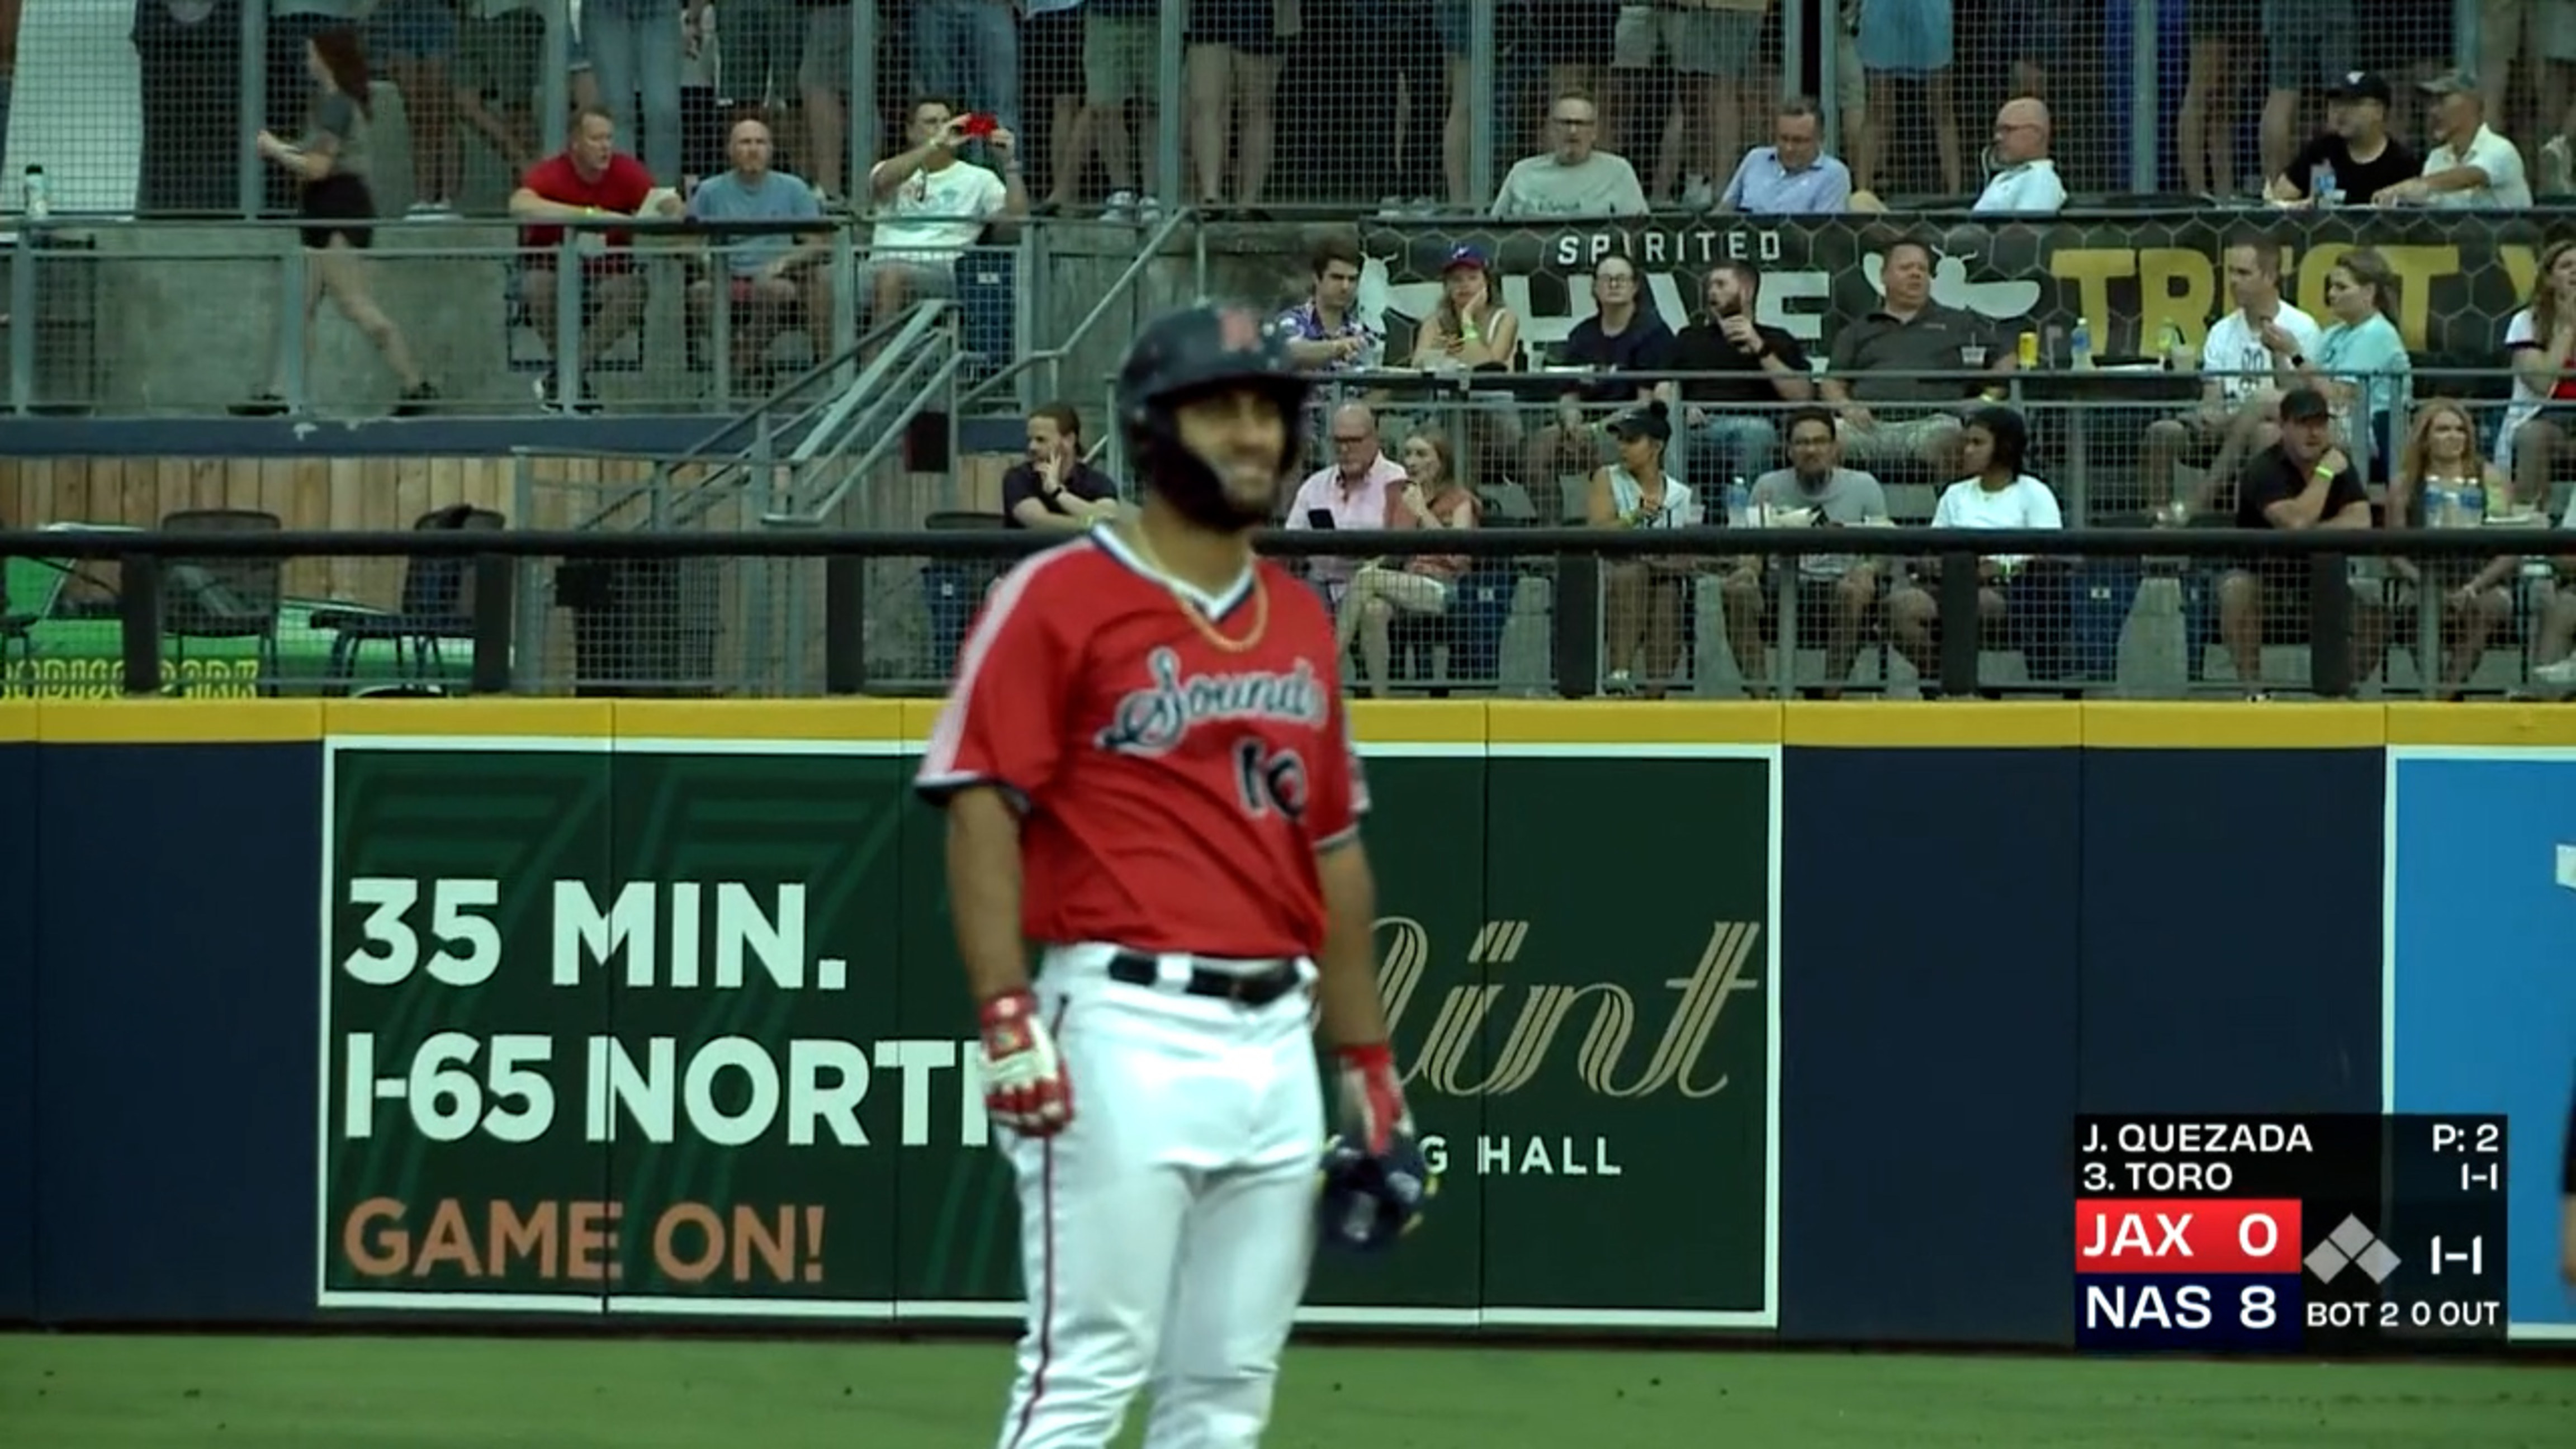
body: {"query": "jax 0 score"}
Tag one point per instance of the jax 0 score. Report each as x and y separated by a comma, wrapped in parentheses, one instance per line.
(2330, 1235)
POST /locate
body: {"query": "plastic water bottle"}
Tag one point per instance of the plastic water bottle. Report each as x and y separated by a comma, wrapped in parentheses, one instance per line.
(2080, 345)
(2441, 506)
(38, 195)
(2323, 186)
(2454, 505)
(1739, 503)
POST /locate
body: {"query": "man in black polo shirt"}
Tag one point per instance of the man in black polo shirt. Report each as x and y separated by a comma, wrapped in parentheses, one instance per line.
(1888, 411)
(2303, 481)
(1733, 376)
(1055, 489)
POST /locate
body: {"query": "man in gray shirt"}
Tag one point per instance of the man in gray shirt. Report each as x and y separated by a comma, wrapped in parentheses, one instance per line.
(777, 280)
(1573, 178)
(1837, 594)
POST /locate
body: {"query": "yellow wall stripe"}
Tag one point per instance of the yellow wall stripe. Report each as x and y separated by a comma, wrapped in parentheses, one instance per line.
(178, 722)
(2287, 724)
(1596, 722)
(2494, 725)
(785, 719)
(476, 718)
(1954, 724)
(2106, 724)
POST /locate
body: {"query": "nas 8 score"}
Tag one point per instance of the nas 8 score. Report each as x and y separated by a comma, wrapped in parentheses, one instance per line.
(2320, 1234)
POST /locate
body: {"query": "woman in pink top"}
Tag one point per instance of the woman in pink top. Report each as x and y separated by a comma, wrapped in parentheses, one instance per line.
(1431, 497)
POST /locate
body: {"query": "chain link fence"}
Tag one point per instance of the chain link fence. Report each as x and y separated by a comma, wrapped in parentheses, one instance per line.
(1698, 623)
(157, 112)
(168, 321)
(1124, 106)
(740, 627)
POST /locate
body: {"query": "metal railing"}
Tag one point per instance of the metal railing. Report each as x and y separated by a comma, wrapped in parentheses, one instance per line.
(1123, 287)
(1964, 595)
(146, 320)
(796, 460)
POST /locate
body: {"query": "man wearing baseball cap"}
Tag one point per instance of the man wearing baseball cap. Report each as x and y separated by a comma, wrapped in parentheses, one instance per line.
(2355, 158)
(2473, 167)
(2303, 481)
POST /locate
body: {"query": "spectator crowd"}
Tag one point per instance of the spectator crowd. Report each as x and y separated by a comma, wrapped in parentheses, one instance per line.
(741, 111)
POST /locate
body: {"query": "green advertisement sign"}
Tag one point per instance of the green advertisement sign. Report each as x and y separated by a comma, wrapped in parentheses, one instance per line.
(677, 1027)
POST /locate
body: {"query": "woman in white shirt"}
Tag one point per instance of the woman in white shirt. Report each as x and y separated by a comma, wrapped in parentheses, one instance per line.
(1642, 599)
(2540, 344)
(1995, 494)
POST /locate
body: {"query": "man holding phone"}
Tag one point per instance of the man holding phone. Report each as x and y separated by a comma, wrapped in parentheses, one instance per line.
(1352, 492)
(931, 205)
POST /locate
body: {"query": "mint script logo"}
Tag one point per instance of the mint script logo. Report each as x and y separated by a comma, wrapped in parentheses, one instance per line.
(1460, 1056)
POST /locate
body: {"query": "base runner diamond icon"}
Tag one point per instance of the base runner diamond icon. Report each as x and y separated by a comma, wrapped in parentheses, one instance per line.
(2352, 1245)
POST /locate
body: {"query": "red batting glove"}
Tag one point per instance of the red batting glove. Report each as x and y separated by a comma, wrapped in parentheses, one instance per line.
(1372, 1101)
(1024, 1083)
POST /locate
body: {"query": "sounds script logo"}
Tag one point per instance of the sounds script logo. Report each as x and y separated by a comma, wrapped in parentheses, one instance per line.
(1460, 1057)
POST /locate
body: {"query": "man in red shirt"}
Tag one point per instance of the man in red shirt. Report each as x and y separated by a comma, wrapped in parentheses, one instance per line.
(590, 179)
(1147, 771)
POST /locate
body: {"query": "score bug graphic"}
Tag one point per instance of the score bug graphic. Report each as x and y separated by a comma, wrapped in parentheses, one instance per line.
(2328, 1233)
(2204, 1271)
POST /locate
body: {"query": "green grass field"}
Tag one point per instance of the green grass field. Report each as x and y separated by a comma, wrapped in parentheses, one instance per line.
(100, 1392)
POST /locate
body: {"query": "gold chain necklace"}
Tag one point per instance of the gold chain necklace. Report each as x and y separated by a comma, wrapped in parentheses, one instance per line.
(1198, 616)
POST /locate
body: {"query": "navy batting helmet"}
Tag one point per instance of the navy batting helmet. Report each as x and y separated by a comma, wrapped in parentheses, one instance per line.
(1180, 355)
(1365, 1202)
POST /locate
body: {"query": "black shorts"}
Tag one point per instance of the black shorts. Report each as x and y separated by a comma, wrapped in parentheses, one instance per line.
(1250, 26)
(2286, 604)
(1051, 56)
(1567, 32)
(1820, 605)
(336, 201)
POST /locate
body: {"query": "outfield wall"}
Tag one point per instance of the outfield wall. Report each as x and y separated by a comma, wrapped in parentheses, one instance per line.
(1725, 1017)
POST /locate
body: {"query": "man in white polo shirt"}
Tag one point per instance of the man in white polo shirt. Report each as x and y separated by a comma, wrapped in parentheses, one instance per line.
(2246, 362)
(2473, 166)
(931, 206)
(2028, 184)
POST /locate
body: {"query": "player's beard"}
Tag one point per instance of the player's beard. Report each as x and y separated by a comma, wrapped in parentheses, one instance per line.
(1213, 503)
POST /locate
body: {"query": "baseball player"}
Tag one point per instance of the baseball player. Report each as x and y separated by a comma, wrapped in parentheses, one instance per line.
(1148, 773)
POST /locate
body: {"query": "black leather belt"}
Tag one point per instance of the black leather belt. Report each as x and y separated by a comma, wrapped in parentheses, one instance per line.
(1259, 989)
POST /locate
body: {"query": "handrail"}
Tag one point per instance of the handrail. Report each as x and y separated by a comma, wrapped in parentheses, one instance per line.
(858, 346)
(879, 424)
(866, 462)
(805, 424)
(880, 412)
(923, 315)
(1152, 248)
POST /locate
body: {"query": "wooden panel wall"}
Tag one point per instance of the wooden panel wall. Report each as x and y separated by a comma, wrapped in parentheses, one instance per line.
(325, 493)
(391, 493)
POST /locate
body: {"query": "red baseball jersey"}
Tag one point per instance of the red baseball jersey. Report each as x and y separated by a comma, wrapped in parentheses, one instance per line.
(1173, 792)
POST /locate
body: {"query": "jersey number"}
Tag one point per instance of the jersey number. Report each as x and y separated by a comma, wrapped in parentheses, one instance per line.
(1269, 780)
